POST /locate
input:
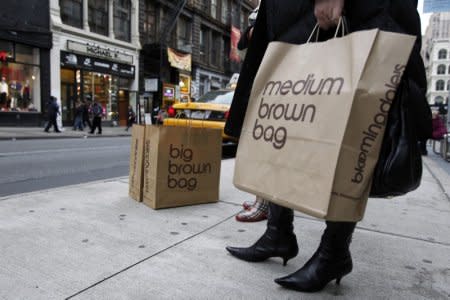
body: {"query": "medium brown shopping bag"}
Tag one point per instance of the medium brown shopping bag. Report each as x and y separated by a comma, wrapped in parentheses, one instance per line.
(316, 119)
(181, 166)
(135, 179)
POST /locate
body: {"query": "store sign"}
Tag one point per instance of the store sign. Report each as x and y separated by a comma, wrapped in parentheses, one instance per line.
(100, 52)
(94, 64)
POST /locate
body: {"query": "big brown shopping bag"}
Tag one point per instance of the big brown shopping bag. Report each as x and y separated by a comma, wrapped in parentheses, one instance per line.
(135, 179)
(315, 122)
(181, 166)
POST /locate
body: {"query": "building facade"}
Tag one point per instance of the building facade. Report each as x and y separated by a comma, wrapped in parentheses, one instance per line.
(186, 46)
(439, 72)
(436, 55)
(95, 56)
(25, 43)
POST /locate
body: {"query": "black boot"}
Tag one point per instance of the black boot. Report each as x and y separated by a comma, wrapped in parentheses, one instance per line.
(278, 241)
(331, 261)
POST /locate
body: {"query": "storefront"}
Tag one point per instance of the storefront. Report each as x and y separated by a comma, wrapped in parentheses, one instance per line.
(96, 74)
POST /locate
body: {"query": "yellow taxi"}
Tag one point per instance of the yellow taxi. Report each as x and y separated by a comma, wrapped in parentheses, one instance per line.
(209, 111)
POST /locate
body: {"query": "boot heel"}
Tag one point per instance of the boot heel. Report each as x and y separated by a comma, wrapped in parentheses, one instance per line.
(338, 280)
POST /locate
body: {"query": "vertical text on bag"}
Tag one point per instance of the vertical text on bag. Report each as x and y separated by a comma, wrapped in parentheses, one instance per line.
(291, 111)
(135, 164)
(182, 172)
(378, 122)
(147, 165)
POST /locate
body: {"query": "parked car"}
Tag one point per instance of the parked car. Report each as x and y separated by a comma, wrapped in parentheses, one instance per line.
(209, 111)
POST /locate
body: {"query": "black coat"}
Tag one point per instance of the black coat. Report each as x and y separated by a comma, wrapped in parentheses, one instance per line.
(292, 21)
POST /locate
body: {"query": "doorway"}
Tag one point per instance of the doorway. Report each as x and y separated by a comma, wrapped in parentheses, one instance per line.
(68, 96)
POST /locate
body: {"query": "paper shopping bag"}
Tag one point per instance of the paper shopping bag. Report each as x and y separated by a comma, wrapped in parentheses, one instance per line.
(181, 166)
(135, 179)
(316, 119)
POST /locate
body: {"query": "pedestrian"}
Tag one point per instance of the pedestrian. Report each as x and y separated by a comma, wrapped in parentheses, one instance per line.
(131, 117)
(292, 21)
(79, 111)
(258, 209)
(97, 111)
(52, 114)
(439, 128)
(86, 120)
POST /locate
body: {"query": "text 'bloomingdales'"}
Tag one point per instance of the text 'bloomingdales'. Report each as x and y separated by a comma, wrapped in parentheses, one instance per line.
(291, 111)
(378, 123)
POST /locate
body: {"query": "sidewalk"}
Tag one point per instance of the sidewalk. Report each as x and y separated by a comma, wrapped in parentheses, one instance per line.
(8, 133)
(91, 241)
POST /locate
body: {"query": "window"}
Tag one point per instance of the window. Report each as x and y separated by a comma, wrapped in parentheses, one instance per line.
(215, 49)
(122, 20)
(441, 69)
(243, 21)
(149, 30)
(204, 40)
(442, 54)
(440, 85)
(214, 9)
(438, 99)
(72, 12)
(448, 85)
(225, 12)
(204, 5)
(98, 16)
(183, 34)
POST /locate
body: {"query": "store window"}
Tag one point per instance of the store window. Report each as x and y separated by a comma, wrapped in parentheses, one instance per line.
(72, 12)
(19, 78)
(98, 16)
(440, 85)
(122, 20)
(442, 54)
(448, 85)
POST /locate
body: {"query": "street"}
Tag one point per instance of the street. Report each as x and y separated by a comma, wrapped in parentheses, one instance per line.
(31, 165)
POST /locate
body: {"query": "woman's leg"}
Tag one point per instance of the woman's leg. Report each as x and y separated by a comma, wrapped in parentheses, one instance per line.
(278, 240)
(332, 260)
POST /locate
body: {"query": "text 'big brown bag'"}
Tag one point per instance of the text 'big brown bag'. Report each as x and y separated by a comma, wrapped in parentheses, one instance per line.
(316, 119)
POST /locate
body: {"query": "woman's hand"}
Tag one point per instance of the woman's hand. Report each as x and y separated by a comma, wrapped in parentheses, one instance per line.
(328, 12)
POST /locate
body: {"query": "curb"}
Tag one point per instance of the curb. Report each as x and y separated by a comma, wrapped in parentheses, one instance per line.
(50, 137)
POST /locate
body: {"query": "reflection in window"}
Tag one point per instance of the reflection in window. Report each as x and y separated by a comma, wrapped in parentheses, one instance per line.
(98, 16)
(149, 22)
(442, 54)
(224, 11)
(441, 69)
(122, 20)
(72, 12)
(440, 84)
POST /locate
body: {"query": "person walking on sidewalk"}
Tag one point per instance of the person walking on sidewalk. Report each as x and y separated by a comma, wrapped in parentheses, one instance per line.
(131, 117)
(78, 123)
(97, 111)
(292, 21)
(52, 114)
(86, 120)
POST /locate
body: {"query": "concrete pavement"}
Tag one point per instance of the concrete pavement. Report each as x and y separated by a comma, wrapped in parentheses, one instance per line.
(8, 133)
(91, 241)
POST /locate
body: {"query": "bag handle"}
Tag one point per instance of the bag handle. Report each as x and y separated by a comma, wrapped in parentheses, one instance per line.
(342, 25)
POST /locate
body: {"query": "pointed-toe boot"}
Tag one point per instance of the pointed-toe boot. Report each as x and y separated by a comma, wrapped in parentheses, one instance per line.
(278, 240)
(332, 260)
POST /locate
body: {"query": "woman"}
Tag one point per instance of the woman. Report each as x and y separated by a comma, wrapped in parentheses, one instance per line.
(292, 21)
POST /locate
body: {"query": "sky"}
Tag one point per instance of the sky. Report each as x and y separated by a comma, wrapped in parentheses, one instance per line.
(425, 18)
